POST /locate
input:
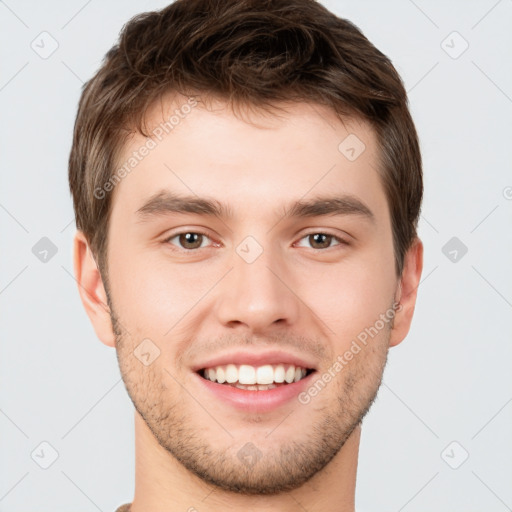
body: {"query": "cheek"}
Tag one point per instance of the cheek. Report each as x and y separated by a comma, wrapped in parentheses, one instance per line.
(349, 297)
(152, 295)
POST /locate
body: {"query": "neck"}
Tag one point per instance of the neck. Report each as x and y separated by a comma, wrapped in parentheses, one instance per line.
(162, 483)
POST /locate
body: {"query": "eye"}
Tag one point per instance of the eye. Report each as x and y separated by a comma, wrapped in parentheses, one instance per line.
(189, 240)
(322, 240)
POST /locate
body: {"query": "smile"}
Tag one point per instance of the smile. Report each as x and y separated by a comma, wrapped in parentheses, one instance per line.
(255, 378)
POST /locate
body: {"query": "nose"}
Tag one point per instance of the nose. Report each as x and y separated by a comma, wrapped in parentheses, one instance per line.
(257, 295)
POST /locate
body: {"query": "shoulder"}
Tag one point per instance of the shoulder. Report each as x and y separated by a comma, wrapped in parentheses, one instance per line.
(124, 508)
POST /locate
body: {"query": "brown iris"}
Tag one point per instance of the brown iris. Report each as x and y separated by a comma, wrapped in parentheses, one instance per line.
(191, 240)
(322, 240)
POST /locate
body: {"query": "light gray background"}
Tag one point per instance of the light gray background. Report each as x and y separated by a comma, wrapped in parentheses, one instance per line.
(450, 380)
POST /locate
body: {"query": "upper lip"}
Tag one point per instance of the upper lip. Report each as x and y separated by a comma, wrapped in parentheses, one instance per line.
(255, 359)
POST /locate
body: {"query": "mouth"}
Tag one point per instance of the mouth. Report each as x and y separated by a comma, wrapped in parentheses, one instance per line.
(254, 382)
(254, 390)
(255, 378)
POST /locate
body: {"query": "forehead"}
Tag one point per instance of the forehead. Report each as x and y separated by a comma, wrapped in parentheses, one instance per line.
(250, 158)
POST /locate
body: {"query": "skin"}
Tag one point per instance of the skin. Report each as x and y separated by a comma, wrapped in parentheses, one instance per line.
(298, 295)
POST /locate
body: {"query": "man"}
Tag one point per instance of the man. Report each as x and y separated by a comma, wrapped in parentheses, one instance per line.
(247, 184)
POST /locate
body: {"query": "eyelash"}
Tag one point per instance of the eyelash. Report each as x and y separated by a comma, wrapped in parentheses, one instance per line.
(340, 241)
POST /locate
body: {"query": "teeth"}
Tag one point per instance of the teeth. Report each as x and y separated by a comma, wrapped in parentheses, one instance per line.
(221, 375)
(265, 374)
(253, 378)
(231, 373)
(259, 387)
(279, 373)
(247, 374)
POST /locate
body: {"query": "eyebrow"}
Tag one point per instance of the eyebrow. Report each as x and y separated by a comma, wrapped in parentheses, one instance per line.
(346, 204)
(165, 202)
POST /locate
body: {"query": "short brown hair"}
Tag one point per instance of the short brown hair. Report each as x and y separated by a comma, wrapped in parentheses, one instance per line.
(254, 53)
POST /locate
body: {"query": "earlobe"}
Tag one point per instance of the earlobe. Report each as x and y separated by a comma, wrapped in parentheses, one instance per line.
(91, 289)
(407, 292)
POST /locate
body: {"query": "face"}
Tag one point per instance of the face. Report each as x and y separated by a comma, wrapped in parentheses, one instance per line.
(257, 250)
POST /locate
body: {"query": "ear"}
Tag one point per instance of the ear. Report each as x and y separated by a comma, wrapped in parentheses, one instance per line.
(407, 291)
(91, 289)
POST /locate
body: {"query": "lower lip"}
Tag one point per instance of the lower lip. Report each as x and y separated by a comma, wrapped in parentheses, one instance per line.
(256, 401)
